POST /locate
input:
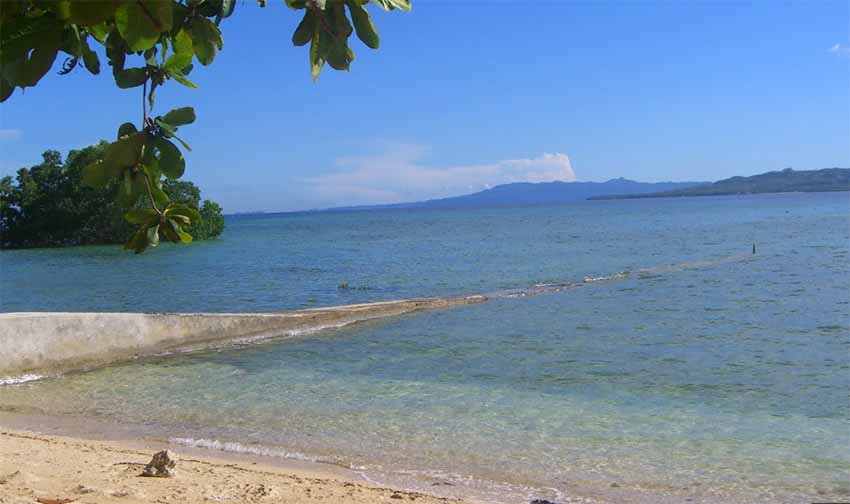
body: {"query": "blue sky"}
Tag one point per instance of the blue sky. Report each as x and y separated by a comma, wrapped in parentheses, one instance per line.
(463, 95)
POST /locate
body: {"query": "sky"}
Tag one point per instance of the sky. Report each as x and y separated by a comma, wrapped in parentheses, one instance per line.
(465, 95)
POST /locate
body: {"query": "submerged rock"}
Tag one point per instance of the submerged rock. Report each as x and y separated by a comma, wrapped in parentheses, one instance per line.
(161, 465)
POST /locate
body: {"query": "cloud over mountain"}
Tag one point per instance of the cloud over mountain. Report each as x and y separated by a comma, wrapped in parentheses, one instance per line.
(397, 174)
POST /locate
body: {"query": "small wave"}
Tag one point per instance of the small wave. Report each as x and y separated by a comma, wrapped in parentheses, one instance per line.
(451, 484)
(250, 340)
(291, 333)
(616, 276)
(233, 447)
(14, 380)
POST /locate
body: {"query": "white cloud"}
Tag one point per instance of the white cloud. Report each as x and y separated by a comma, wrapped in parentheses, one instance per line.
(839, 49)
(398, 175)
(9, 135)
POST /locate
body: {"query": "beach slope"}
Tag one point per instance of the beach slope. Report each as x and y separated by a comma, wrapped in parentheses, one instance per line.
(53, 469)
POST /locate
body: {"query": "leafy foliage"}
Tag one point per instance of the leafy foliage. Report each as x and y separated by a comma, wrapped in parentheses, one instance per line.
(212, 223)
(148, 43)
(49, 205)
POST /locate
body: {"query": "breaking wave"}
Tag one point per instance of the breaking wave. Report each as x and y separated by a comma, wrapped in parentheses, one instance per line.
(233, 447)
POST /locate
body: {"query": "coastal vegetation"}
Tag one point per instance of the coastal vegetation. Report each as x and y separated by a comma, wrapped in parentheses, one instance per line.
(148, 43)
(787, 180)
(48, 205)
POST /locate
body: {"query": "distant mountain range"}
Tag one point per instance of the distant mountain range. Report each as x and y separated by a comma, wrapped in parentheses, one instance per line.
(542, 193)
(787, 180)
(547, 193)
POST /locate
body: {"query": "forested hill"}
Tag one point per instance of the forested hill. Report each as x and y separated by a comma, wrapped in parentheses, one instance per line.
(787, 180)
(47, 205)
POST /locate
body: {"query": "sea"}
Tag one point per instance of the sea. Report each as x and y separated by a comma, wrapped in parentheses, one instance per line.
(652, 350)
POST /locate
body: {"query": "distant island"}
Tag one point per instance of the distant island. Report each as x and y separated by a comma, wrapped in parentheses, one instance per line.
(787, 180)
(541, 193)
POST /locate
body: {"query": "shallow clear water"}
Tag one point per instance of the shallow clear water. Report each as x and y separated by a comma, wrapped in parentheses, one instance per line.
(708, 373)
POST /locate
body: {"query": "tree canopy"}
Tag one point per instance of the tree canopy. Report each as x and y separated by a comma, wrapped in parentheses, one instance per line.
(148, 43)
(47, 205)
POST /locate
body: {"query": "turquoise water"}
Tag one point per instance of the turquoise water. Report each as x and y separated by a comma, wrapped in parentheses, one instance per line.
(707, 373)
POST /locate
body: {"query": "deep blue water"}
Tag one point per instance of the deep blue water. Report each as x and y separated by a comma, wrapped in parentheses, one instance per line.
(707, 373)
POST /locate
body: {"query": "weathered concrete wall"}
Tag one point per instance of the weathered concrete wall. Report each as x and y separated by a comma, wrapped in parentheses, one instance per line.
(45, 343)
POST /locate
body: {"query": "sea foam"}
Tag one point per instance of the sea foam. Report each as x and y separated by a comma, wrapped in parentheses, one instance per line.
(233, 447)
(14, 380)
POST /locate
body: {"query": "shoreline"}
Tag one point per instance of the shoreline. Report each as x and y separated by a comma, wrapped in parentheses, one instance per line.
(37, 465)
(54, 433)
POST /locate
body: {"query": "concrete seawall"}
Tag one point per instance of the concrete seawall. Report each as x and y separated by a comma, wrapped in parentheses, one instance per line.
(45, 343)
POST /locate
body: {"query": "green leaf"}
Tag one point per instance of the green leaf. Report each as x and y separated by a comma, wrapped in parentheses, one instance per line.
(180, 116)
(339, 56)
(130, 77)
(140, 22)
(184, 144)
(27, 70)
(339, 21)
(318, 52)
(154, 84)
(128, 184)
(393, 4)
(179, 15)
(63, 9)
(169, 232)
(150, 56)
(141, 216)
(94, 175)
(71, 42)
(20, 34)
(182, 219)
(182, 236)
(116, 51)
(227, 7)
(134, 188)
(171, 161)
(127, 128)
(206, 37)
(150, 163)
(305, 29)
(167, 129)
(184, 210)
(90, 59)
(99, 32)
(159, 196)
(183, 51)
(363, 24)
(180, 77)
(153, 235)
(123, 153)
(403, 5)
(91, 12)
(6, 89)
(138, 242)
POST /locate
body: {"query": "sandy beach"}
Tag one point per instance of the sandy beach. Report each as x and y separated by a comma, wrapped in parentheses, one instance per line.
(56, 469)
